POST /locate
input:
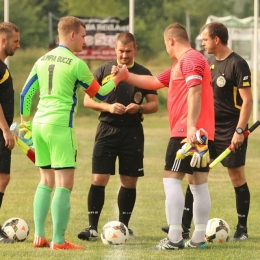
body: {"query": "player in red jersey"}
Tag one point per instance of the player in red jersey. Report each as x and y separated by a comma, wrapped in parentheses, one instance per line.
(190, 108)
(231, 81)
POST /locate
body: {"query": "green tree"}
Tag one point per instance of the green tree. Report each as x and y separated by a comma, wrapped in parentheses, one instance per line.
(151, 17)
(98, 8)
(31, 16)
(46, 7)
(24, 16)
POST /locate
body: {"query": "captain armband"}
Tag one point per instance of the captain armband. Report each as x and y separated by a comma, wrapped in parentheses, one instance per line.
(93, 88)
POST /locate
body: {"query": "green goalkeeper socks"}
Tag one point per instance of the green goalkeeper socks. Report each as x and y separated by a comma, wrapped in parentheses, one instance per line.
(60, 208)
(41, 205)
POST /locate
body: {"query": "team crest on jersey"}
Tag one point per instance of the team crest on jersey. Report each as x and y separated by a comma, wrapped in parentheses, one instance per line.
(221, 81)
(138, 97)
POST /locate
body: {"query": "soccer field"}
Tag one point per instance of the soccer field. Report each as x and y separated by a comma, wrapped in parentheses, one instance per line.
(148, 216)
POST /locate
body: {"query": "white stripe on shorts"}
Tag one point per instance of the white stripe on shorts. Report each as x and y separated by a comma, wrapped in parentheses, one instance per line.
(176, 165)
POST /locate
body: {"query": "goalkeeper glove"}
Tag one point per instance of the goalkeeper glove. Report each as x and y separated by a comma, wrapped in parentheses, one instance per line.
(186, 150)
(199, 152)
(202, 136)
(200, 157)
(25, 132)
(26, 124)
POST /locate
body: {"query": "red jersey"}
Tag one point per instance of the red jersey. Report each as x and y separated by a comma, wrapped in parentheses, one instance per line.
(190, 70)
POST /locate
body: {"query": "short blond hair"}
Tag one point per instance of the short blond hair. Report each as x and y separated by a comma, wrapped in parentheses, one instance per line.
(7, 28)
(68, 24)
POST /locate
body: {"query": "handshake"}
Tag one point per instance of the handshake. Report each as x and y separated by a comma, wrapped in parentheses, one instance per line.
(120, 71)
(199, 152)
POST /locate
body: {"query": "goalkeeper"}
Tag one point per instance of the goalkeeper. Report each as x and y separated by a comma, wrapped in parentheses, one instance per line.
(58, 75)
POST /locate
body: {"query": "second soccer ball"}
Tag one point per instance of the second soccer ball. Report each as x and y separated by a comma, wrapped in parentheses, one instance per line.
(217, 231)
(114, 233)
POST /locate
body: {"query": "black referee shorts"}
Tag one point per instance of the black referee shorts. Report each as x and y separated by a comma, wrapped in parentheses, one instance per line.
(224, 132)
(5, 156)
(124, 142)
(233, 160)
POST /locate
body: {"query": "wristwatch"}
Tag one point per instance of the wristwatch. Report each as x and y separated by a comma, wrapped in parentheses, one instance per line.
(140, 111)
(239, 130)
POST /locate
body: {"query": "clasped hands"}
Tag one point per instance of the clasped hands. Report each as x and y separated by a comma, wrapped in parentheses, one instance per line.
(199, 151)
(120, 71)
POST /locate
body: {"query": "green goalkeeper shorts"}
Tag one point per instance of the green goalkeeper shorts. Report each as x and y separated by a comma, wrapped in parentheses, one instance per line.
(55, 146)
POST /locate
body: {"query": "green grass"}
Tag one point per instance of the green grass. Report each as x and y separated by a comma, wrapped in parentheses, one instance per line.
(148, 216)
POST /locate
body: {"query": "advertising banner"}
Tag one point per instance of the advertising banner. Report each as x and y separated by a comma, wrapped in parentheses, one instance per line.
(101, 37)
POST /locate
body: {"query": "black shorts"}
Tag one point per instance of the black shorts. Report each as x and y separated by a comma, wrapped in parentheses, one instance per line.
(124, 142)
(180, 165)
(233, 160)
(225, 130)
(5, 156)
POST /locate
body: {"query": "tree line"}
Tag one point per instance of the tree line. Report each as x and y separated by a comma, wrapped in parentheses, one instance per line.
(151, 17)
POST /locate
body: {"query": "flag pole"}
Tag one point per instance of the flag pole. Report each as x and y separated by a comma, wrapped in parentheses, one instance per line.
(6, 19)
(131, 15)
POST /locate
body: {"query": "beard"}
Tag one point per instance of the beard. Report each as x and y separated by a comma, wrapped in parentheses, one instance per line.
(8, 50)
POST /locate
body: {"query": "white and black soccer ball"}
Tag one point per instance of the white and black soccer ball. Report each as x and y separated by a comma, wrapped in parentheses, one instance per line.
(217, 231)
(16, 229)
(114, 233)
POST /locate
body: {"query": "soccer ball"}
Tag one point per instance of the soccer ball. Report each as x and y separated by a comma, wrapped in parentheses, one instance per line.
(16, 229)
(217, 231)
(114, 233)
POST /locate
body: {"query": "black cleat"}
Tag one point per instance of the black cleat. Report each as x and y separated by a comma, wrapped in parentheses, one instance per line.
(4, 238)
(185, 231)
(131, 233)
(89, 234)
(240, 234)
(166, 244)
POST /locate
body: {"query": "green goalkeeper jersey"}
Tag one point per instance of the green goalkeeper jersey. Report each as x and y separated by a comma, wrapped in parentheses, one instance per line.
(58, 75)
